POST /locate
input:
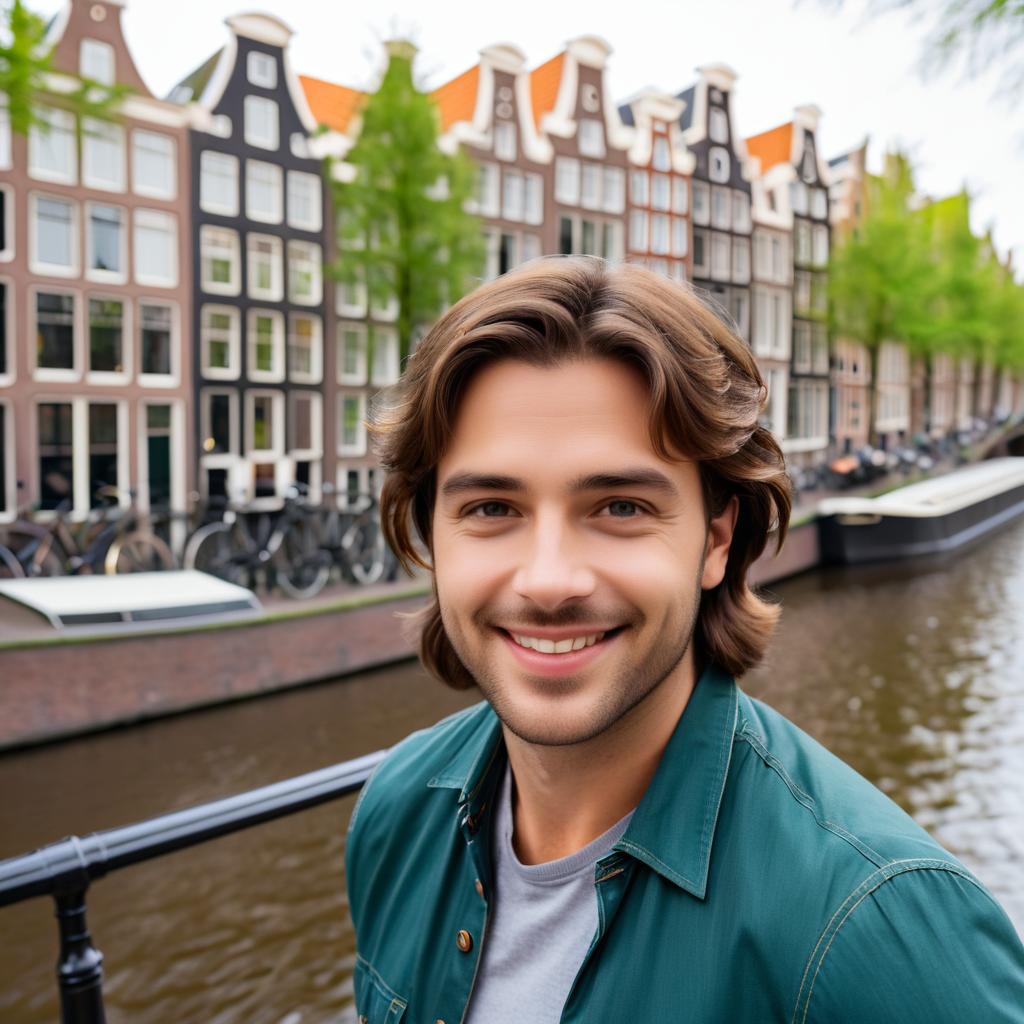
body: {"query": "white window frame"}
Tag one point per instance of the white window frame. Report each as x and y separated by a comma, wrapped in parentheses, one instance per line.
(718, 125)
(613, 198)
(257, 65)
(311, 184)
(680, 237)
(703, 268)
(270, 141)
(97, 134)
(314, 255)
(229, 458)
(489, 190)
(505, 140)
(639, 188)
(91, 51)
(661, 234)
(342, 307)
(316, 350)
(8, 484)
(513, 194)
(233, 370)
(358, 332)
(590, 138)
(232, 287)
(661, 154)
(275, 293)
(701, 200)
(61, 121)
(680, 195)
(122, 376)
(52, 373)
(741, 214)
(316, 424)
(819, 245)
(661, 192)
(139, 139)
(638, 230)
(54, 269)
(275, 182)
(566, 190)
(358, 446)
(277, 426)
(159, 380)
(721, 208)
(741, 260)
(591, 182)
(108, 276)
(721, 267)
(7, 377)
(275, 375)
(5, 134)
(210, 203)
(139, 220)
(387, 339)
(719, 165)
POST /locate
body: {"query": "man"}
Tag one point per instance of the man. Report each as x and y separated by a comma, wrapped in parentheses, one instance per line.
(618, 833)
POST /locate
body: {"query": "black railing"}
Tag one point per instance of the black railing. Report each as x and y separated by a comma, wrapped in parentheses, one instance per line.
(64, 870)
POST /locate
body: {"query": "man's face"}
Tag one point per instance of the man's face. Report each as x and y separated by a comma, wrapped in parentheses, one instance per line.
(556, 522)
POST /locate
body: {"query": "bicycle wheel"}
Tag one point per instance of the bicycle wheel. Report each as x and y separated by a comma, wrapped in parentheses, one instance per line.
(365, 550)
(137, 552)
(212, 549)
(301, 566)
(10, 567)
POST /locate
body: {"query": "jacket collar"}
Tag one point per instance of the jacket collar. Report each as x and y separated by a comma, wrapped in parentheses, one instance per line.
(673, 827)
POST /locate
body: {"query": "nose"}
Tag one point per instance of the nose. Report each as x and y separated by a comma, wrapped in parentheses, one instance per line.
(553, 568)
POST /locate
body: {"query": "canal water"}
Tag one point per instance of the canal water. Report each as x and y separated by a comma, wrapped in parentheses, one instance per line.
(912, 674)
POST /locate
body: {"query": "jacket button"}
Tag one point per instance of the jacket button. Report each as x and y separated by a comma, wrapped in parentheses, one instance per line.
(464, 941)
(479, 886)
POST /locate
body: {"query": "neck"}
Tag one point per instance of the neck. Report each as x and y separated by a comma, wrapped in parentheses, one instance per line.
(565, 797)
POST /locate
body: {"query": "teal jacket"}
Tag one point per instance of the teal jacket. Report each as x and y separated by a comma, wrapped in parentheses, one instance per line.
(760, 880)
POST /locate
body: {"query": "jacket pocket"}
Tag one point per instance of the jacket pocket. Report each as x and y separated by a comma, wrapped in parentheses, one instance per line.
(376, 1002)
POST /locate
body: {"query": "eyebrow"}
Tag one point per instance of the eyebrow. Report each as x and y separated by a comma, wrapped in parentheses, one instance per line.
(650, 479)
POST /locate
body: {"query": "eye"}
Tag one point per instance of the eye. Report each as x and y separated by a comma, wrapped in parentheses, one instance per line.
(488, 510)
(623, 508)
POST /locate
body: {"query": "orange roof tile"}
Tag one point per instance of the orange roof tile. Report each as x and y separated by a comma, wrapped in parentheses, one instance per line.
(332, 105)
(544, 83)
(456, 100)
(772, 147)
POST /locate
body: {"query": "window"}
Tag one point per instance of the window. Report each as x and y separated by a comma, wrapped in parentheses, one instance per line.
(6, 364)
(55, 236)
(660, 234)
(218, 183)
(263, 422)
(639, 192)
(783, 324)
(351, 353)
(801, 347)
(739, 310)
(513, 195)
(265, 337)
(820, 244)
(103, 152)
(679, 195)
(6, 450)
(103, 439)
(153, 165)
(263, 192)
(720, 257)
(305, 348)
(304, 422)
(219, 331)
(534, 199)
(350, 298)
(106, 336)
(505, 140)
(261, 125)
(591, 237)
(661, 158)
(567, 180)
(5, 133)
(700, 253)
(56, 453)
(305, 278)
(721, 214)
(780, 259)
(638, 230)
(590, 192)
(591, 137)
(680, 237)
(701, 203)
(219, 422)
(489, 194)
(614, 190)
(507, 252)
(55, 331)
(265, 260)
(219, 258)
(819, 293)
(741, 260)
(718, 125)
(52, 147)
(105, 242)
(819, 348)
(741, 212)
(718, 164)
(531, 247)
(155, 340)
(305, 206)
(565, 235)
(96, 61)
(661, 192)
(802, 291)
(762, 338)
(351, 425)
(384, 368)
(803, 241)
(819, 203)
(156, 248)
(261, 70)
(798, 197)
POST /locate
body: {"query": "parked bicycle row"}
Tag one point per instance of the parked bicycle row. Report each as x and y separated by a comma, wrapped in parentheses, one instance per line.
(297, 548)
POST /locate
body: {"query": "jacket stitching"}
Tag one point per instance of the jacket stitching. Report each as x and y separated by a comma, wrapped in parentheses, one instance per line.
(870, 884)
(379, 983)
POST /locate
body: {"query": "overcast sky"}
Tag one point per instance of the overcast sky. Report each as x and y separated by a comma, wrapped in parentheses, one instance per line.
(862, 73)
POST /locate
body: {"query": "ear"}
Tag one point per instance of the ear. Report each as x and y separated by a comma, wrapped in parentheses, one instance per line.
(716, 547)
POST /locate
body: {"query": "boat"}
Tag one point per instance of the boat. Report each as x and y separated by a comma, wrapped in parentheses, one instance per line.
(929, 517)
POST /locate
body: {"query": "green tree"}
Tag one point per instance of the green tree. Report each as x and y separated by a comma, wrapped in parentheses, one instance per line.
(880, 277)
(403, 228)
(25, 71)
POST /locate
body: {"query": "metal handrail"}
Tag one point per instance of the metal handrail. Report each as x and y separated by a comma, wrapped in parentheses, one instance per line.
(65, 869)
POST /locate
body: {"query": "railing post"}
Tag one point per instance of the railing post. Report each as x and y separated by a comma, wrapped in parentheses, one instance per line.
(80, 967)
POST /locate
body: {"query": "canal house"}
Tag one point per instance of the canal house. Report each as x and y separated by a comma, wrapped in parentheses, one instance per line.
(660, 175)
(95, 374)
(258, 238)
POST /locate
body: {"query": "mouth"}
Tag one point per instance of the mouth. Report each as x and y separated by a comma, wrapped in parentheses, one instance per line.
(567, 645)
(547, 656)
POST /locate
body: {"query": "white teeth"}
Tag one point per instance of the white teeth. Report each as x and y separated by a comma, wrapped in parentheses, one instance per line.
(546, 646)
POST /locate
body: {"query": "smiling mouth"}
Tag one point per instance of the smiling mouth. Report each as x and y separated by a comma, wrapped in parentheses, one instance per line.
(544, 645)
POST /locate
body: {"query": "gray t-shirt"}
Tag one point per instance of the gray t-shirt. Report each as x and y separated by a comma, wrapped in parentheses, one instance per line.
(543, 919)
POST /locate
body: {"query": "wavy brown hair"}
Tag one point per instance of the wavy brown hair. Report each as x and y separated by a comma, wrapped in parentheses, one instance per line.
(705, 396)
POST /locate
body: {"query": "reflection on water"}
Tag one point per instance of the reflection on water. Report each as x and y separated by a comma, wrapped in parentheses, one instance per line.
(914, 676)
